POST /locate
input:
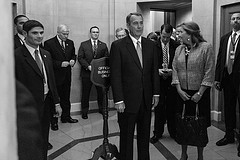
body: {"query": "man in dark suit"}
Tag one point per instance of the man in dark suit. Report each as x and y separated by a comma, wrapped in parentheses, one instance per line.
(19, 38)
(89, 50)
(227, 76)
(135, 85)
(29, 135)
(34, 69)
(165, 111)
(63, 55)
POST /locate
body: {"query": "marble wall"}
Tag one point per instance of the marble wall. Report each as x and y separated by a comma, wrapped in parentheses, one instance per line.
(8, 139)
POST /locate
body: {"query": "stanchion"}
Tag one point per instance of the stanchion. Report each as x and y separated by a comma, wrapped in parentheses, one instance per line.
(100, 77)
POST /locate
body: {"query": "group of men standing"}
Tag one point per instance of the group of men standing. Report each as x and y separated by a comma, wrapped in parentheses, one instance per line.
(45, 70)
(138, 68)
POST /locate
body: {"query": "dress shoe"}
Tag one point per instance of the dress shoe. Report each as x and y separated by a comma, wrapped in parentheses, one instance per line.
(49, 146)
(155, 138)
(225, 141)
(69, 120)
(54, 126)
(84, 116)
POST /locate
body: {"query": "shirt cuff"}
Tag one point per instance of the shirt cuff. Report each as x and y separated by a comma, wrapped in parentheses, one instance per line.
(119, 102)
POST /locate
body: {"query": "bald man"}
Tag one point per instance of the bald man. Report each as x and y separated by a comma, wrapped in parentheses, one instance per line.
(62, 51)
(120, 33)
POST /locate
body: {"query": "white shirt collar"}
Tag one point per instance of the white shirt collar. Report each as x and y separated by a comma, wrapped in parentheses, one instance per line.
(136, 40)
(31, 50)
(21, 37)
(59, 40)
(238, 32)
(167, 45)
(92, 41)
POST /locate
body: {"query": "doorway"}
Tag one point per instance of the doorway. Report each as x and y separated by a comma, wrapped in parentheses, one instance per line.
(226, 12)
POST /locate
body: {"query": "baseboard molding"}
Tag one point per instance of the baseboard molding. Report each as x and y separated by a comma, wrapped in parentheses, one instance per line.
(76, 107)
(216, 115)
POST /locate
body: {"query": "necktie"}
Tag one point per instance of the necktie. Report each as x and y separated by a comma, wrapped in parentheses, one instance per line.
(38, 61)
(139, 52)
(231, 54)
(165, 57)
(63, 48)
(94, 48)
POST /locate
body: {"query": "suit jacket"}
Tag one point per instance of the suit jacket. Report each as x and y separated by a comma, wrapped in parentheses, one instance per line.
(220, 72)
(86, 55)
(17, 41)
(130, 82)
(58, 56)
(28, 73)
(29, 134)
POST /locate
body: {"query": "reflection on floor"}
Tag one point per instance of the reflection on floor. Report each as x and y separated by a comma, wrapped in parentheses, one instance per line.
(78, 141)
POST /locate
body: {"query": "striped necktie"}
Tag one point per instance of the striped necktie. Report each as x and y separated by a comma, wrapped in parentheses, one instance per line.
(231, 54)
(165, 57)
(94, 47)
(38, 61)
(139, 52)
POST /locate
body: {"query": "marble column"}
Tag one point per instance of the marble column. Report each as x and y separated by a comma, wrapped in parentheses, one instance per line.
(8, 147)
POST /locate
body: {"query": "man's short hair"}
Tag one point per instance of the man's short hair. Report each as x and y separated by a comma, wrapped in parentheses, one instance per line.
(27, 26)
(119, 29)
(62, 27)
(132, 14)
(19, 16)
(167, 27)
(93, 27)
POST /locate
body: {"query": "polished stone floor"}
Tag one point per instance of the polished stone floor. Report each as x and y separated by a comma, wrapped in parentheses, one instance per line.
(79, 141)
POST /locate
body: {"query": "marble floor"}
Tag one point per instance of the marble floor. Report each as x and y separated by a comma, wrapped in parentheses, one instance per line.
(79, 141)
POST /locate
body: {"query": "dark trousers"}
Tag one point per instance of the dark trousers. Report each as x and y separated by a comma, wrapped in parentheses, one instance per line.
(165, 111)
(127, 122)
(86, 89)
(230, 100)
(45, 121)
(64, 94)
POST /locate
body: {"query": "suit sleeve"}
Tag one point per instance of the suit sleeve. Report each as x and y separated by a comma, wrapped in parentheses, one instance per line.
(219, 61)
(175, 79)
(156, 79)
(116, 73)
(106, 51)
(73, 54)
(209, 60)
(56, 63)
(28, 125)
(82, 56)
(19, 67)
(52, 82)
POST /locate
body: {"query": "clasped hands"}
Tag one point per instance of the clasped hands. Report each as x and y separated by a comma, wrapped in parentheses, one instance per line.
(185, 97)
(165, 73)
(66, 63)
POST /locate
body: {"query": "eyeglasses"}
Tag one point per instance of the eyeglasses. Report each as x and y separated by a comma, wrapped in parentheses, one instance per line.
(95, 32)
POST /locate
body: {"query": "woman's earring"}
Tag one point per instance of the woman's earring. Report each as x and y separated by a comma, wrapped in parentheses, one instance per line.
(188, 39)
